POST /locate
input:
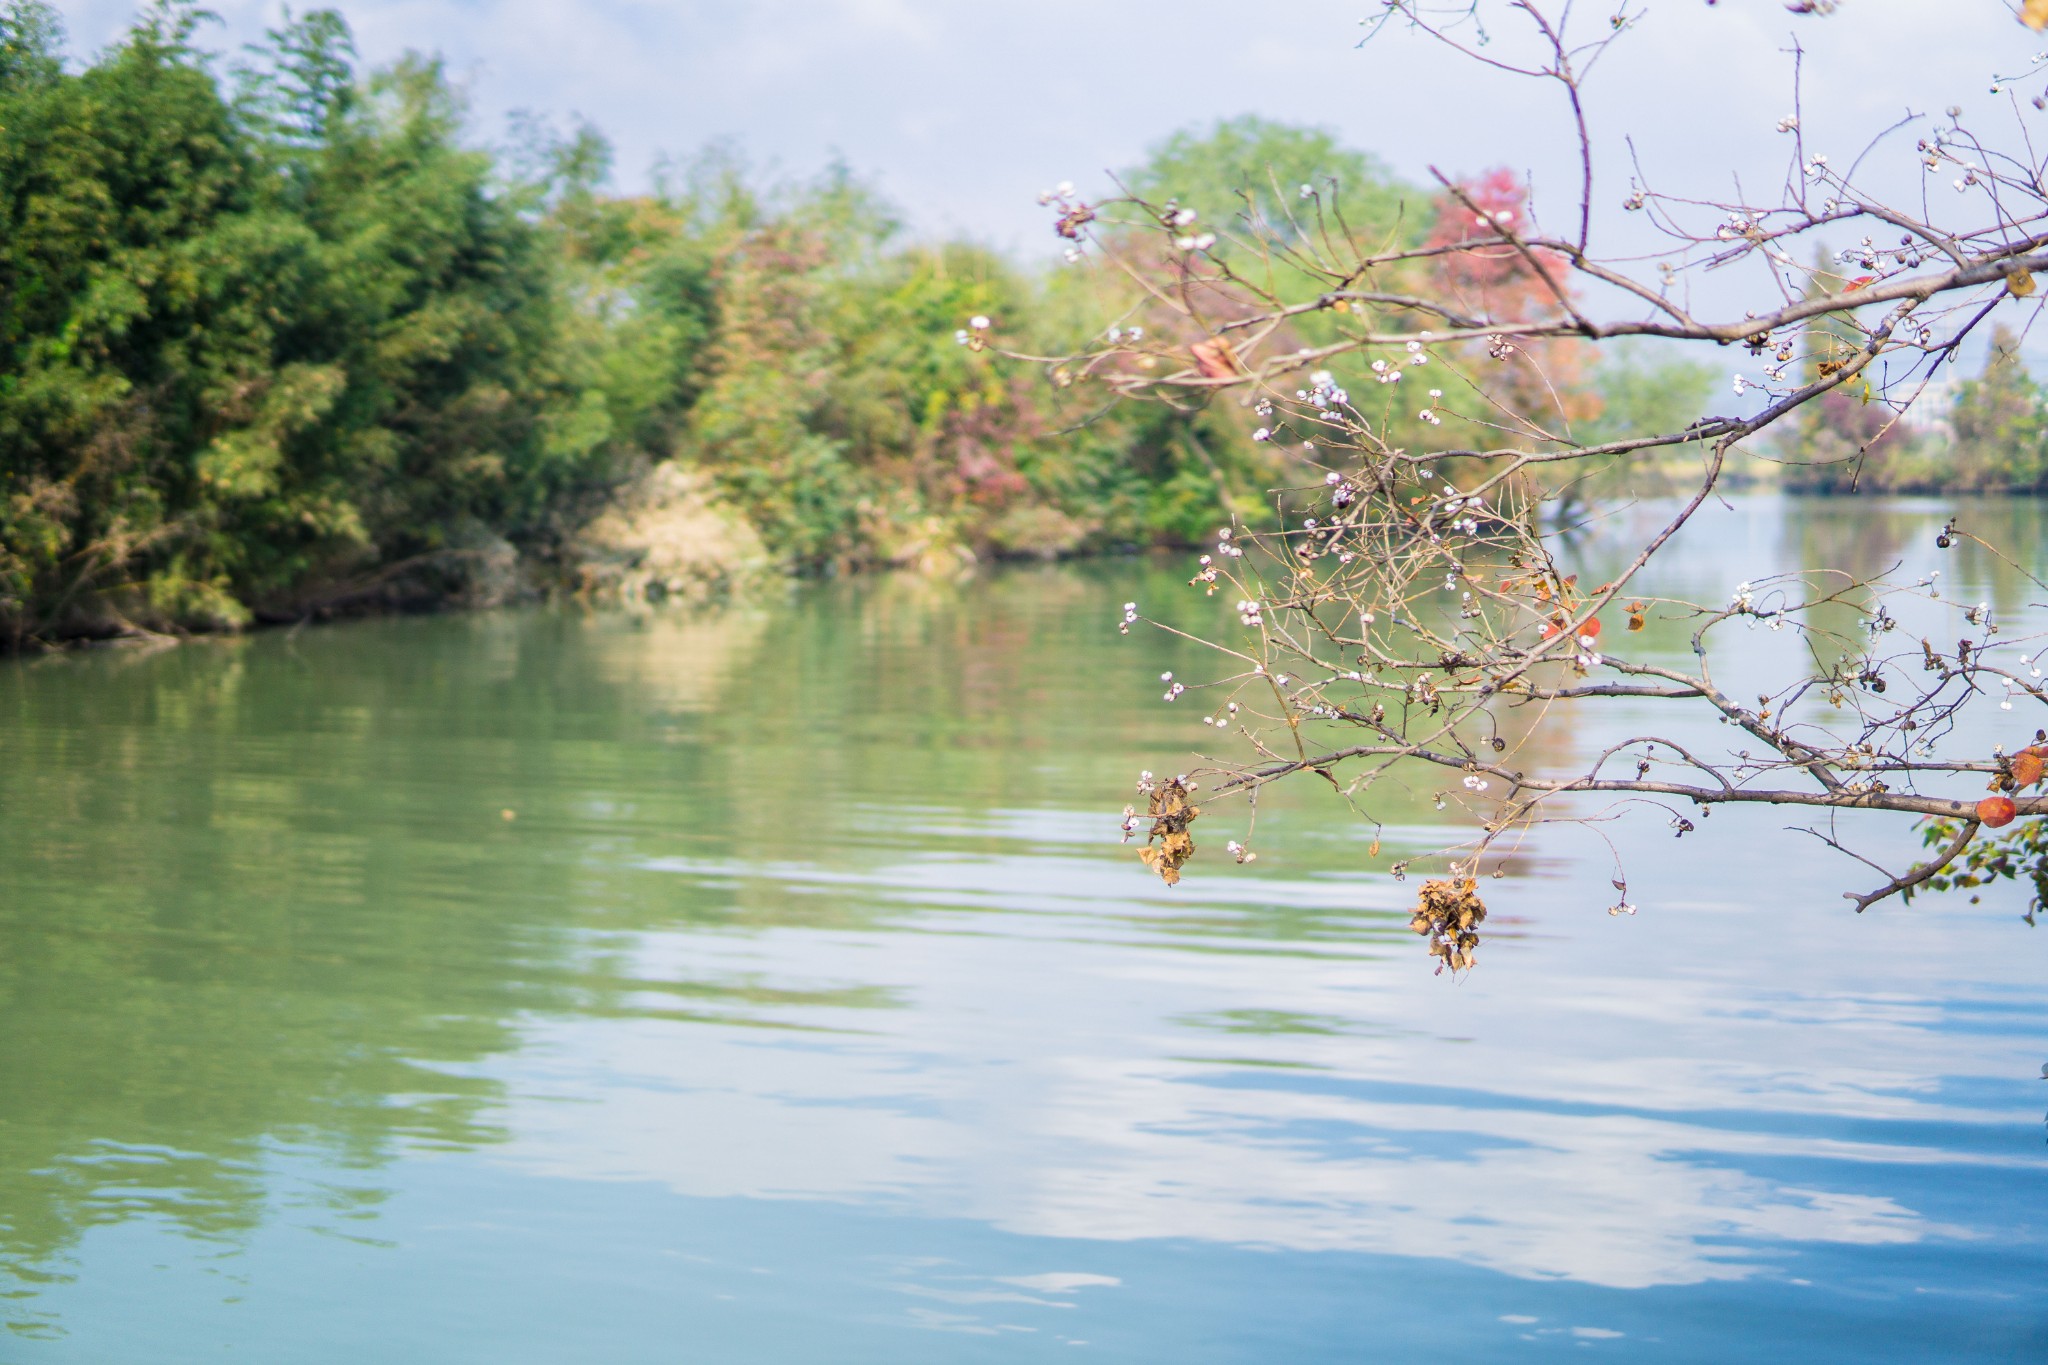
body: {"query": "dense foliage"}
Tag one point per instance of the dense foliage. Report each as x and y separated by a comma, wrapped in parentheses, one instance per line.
(261, 346)
(281, 342)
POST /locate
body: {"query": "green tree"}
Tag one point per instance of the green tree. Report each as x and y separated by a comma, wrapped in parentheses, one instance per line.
(2000, 421)
(1248, 173)
(263, 355)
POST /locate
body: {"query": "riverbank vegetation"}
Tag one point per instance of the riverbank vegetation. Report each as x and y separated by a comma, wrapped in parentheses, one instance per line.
(280, 338)
(1981, 433)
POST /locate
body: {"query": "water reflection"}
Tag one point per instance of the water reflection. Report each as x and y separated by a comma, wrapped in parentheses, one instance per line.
(1619, 1166)
(423, 937)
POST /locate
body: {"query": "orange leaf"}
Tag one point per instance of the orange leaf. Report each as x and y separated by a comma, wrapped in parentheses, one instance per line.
(2034, 14)
(1996, 810)
(1215, 359)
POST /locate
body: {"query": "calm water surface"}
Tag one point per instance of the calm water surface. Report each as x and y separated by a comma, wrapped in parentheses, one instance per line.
(770, 986)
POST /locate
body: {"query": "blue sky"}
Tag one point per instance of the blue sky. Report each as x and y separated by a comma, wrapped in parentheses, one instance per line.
(962, 110)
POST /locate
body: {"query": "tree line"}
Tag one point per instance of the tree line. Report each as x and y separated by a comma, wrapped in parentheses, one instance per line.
(279, 338)
(1982, 432)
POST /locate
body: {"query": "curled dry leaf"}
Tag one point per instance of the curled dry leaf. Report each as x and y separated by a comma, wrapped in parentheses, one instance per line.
(1448, 913)
(1171, 815)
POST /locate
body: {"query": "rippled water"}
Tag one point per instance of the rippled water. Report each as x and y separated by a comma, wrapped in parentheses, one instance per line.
(770, 986)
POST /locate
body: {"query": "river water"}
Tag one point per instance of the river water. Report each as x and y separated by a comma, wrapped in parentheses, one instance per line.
(770, 986)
